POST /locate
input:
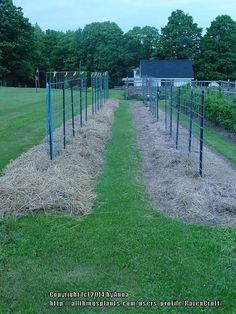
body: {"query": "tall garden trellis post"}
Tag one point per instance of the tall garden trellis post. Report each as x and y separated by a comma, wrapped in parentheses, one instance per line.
(72, 108)
(49, 121)
(171, 109)
(178, 117)
(202, 109)
(190, 121)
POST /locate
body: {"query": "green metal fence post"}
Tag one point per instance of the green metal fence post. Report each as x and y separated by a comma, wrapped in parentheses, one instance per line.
(92, 87)
(108, 93)
(178, 114)
(49, 123)
(64, 114)
(72, 108)
(171, 109)
(190, 122)
(97, 94)
(201, 133)
(81, 103)
(157, 101)
(100, 90)
(86, 100)
(165, 107)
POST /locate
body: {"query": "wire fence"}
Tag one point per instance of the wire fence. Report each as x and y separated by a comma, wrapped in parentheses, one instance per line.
(226, 88)
(182, 109)
(134, 86)
(68, 100)
(100, 89)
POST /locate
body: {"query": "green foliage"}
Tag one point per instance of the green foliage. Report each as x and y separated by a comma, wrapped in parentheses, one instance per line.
(103, 49)
(139, 43)
(221, 110)
(16, 44)
(218, 51)
(103, 46)
(52, 41)
(180, 38)
(144, 41)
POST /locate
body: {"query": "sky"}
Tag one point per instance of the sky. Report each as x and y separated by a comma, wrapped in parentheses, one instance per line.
(65, 15)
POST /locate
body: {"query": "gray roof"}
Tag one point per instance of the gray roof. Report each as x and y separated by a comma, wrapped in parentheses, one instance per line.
(167, 68)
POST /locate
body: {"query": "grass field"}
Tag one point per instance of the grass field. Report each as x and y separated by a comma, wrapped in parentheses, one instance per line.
(22, 119)
(124, 245)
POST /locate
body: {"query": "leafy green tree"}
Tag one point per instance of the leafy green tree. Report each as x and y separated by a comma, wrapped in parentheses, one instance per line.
(62, 57)
(145, 38)
(40, 60)
(52, 40)
(103, 49)
(139, 43)
(16, 38)
(180, 38)
(218, 51)
(3, 69)
(77, 53)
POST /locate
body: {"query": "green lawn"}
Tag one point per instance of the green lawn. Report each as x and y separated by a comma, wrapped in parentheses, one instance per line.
(123, 245)
(22, 119)
(220, 144)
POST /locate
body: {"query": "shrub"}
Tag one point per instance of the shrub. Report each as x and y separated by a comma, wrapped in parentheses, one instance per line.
(221, 110)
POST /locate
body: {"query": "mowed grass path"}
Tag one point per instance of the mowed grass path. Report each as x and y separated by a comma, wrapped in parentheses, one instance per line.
(123, 245)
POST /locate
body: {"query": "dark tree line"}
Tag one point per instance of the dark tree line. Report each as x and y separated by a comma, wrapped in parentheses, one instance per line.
(102, 46)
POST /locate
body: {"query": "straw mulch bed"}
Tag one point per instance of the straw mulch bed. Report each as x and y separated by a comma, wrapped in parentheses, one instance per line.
(33, 183)
(171, 183)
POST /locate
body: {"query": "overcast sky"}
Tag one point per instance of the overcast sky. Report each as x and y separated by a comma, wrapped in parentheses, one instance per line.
(73, 14)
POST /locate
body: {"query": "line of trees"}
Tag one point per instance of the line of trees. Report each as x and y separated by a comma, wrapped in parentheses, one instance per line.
(102, 46)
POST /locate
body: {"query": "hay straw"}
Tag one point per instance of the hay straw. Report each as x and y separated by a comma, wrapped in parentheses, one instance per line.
(33, 183)
(170, 181)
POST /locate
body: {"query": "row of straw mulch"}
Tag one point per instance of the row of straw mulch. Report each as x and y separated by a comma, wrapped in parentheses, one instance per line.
(33, 183)
(171, 182)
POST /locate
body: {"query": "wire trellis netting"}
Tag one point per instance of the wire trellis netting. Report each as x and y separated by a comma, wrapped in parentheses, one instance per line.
(100, 89)
(225, 88)
(68, 100)
(182, 109)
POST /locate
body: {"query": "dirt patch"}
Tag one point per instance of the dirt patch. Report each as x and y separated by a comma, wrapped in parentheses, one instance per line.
(170, 182)
(65, 185)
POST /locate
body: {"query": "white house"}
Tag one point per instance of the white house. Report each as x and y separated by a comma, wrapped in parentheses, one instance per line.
(165, 72)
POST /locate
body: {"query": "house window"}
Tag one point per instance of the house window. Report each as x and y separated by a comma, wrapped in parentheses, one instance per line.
(167, 83)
